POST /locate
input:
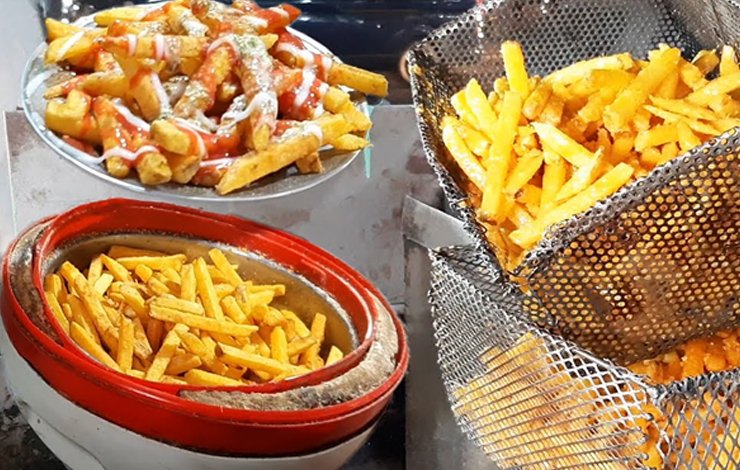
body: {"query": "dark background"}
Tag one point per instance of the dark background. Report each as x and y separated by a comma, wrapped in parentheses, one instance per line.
(372, 34)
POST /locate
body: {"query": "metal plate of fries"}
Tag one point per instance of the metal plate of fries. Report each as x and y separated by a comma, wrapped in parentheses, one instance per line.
(38, 77)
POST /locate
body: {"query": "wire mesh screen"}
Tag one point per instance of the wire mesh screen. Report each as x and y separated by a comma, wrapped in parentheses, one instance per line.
(531, 400)
(528, 399)
(655, 264)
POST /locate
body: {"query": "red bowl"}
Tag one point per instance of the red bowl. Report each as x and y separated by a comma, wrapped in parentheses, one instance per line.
(324, 271)
(160, 415)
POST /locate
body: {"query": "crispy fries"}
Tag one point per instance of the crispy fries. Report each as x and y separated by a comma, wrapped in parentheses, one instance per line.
(197, 84)
(198, 324)
(538, 151)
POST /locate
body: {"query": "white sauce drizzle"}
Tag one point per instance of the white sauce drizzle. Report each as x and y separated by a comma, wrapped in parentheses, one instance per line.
(160, 48)
(164, 100)
(194, 130)
(319, 110)
(326, 65)
(70, 42)
(264, 100)
(279, 10)
(131, 118)
(315, 130)
(125, 154)
(228, 39)
(303, 129)
(257, 23)
(306, 57)
(133, 40)
(304, 91)
(218, 162)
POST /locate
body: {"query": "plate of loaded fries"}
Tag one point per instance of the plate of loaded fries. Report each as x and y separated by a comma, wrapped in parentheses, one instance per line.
(198, 100)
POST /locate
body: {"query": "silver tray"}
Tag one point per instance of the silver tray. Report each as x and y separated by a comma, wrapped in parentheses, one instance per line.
(37, 77)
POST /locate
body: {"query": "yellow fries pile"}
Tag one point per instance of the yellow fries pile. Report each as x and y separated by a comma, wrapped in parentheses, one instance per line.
(197, 92)
(554, 406)
(161, 318)
(534, 414)
(540, 150)
(715, 353)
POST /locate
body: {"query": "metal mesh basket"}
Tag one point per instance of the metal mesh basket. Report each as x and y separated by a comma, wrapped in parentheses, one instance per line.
(651, 267)
(532, 400)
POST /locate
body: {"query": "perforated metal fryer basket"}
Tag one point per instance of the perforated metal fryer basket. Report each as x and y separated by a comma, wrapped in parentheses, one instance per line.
(649, 268)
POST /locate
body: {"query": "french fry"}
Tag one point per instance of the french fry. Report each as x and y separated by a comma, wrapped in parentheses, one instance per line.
(301, 329)
(182, 363)
(57, 311)
(629, 100)
(110, 83)
(523, 171)
(206, 290)
(199, 348)
(119, 251)
(728, 63)
(575, 72)
(72, 117)
(87, 343)
(156, 263)
(581, 178)
(200, 94)
(219, 260)
(80, 316)
(563, 145)
(686, 138)
(684, 108)
(499, 157)
(600, 189)
(706, 61)
(232, 309)
(57, 29)
(537, 100)
(201, 377)
(349, 143)
(182, 305)
(142, 347)
(670, 117)
(361, 80)
(92, 303)
(252, 361)
(108, 16)
(254, 166)
(460, 104)
(318, 332)
(516, 72)
(462, 155)
(154, 331)
(188, 286)
(335, 355)
(203, 323)
(181, 20)
(125, 353)
(717, 87)
(161, 360)
(279, 345)
(53, 285)
(478, 103)
(655, 136)
(73, 46)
